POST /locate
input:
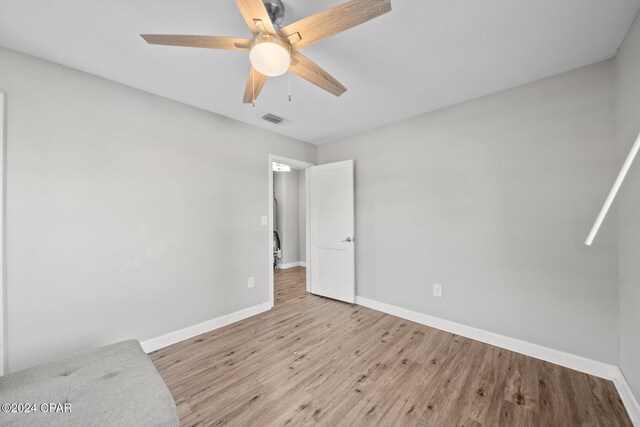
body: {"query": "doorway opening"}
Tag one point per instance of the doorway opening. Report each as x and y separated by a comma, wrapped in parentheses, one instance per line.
(288, 221)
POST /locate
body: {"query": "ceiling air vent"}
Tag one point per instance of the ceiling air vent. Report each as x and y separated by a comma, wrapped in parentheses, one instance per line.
(272, 118)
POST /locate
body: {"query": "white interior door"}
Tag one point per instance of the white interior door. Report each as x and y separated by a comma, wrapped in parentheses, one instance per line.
(331, 231)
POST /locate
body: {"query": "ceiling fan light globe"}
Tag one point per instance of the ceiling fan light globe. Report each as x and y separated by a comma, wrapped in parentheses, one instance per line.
(270, 57)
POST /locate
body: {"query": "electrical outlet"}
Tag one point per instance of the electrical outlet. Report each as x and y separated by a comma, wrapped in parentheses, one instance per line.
(251, 283)
(264, 220)
(437, 290)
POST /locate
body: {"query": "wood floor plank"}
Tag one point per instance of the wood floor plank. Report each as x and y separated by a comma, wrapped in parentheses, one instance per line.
(313, 360)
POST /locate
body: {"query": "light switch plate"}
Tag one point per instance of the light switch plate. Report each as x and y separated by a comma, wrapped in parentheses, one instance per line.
(437, 290)
(264, 220)
(251, 282)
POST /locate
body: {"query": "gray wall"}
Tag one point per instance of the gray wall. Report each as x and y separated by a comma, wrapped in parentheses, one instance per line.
(302, 215)
(627, 126)
(286, 187)
(122, 205)
(128, 215)
(493, 199)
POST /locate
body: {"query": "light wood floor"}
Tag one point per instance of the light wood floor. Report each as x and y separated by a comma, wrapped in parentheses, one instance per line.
(313, 360)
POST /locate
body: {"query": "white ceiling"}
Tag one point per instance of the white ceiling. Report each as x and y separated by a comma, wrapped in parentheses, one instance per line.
(424, 55)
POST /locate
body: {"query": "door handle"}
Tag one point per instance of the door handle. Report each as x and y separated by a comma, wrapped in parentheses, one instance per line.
(348, 240)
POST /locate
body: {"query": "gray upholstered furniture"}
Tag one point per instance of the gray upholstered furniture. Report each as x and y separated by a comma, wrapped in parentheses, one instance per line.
(117, 385)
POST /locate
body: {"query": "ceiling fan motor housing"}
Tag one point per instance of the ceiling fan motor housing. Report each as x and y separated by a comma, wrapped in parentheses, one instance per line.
(275, 9)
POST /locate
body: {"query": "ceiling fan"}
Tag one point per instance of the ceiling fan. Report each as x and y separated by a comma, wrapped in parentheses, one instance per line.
(273, 50)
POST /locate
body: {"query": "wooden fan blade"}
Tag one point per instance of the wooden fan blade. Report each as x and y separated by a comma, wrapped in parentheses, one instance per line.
(308, 70)
(256, 16)
(333, 21)
(210, 42)
(255, 82)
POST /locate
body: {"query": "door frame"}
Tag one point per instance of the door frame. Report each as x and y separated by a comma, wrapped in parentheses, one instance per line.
(298, 164)
(3, 281)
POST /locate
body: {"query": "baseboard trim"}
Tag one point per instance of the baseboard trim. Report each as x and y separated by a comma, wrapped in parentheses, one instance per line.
(291, 265)
(579, 363)
(157, 343)
(628, 399)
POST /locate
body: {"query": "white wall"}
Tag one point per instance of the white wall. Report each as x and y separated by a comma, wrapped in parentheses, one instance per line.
(128, 215)
(627, 113)
(493, 199)
(287, 193)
